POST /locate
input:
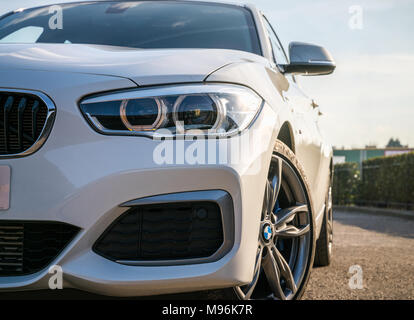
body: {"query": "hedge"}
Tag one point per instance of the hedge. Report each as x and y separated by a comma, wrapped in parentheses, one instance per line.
(384, 182)
(388, 181)
(345, 183)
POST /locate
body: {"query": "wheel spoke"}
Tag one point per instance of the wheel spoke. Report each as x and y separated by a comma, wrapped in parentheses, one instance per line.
(330, 230)
(275, 182)
(284, 269)
(267, 199)
(289, 231)
(258, 264)
(287, 215)
(272, 272)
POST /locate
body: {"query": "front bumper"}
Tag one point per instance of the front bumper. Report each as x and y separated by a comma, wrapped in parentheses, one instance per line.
(81, 178)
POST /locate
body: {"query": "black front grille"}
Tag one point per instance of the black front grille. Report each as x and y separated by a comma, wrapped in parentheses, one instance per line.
(163, 232)
(28, 247)
(22, 118)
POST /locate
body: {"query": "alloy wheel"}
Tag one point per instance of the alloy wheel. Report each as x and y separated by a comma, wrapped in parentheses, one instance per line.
(284, 243)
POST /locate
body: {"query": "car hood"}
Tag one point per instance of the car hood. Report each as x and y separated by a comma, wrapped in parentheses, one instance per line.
(144, 67)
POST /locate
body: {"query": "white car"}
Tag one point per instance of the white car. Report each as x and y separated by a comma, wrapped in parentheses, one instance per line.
(152, 147)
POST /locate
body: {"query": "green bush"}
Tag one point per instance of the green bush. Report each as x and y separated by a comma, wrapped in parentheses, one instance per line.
(384, 181)
(345, 183)
(388, 181)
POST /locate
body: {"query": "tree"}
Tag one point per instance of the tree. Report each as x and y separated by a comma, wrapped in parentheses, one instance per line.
(394, 143)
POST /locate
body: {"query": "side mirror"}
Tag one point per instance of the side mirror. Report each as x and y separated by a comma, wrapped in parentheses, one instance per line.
(309, 60)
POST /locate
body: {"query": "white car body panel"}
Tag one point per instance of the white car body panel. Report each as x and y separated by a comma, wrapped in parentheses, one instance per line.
(144, 67)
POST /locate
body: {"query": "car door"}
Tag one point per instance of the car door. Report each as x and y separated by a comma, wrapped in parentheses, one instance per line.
(308, 140)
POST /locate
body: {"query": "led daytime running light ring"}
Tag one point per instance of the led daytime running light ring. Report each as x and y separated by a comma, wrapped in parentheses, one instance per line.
(221, 112)
(154, 126)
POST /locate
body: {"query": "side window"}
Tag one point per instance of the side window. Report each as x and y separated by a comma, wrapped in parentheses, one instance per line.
(24, 35)
(279, 55)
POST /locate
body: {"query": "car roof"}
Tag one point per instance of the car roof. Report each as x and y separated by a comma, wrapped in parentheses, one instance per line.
(250, 6)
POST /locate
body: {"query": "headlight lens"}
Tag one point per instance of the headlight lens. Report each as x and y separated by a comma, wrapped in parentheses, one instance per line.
(209, 109)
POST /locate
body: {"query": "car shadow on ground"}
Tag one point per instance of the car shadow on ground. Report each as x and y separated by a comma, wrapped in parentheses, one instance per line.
(378, 223)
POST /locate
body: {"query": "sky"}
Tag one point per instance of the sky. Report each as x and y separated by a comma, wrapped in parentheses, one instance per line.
(369, 98)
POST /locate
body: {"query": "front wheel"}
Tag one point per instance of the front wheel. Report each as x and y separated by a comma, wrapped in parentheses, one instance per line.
(286, 242)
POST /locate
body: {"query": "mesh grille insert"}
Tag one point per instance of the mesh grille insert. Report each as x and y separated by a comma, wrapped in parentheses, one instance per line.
(28, 247)
(163, 232)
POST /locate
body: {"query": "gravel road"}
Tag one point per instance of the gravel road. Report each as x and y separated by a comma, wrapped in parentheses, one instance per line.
(384, 248)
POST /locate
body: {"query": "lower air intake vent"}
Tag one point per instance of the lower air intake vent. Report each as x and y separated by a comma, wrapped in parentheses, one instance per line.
(158, 232)
(28, 247)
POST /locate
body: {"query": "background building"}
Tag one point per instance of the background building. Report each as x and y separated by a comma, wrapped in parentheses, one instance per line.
(359, 155)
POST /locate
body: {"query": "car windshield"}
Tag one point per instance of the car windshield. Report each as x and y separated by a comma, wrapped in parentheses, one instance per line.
(138, 24)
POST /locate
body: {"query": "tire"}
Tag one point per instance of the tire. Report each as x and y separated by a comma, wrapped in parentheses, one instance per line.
(308, 239)
(324, 244)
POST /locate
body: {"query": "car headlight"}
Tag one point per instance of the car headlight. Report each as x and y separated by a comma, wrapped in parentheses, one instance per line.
(210, 109)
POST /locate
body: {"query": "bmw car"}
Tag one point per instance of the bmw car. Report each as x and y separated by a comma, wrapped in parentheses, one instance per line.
(160, 147)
